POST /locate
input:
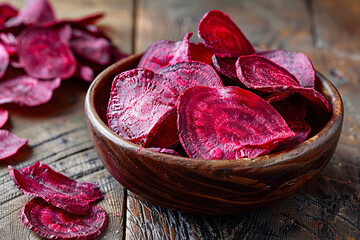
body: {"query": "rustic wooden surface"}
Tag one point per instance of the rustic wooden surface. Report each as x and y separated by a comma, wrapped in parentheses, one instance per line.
(328, 31)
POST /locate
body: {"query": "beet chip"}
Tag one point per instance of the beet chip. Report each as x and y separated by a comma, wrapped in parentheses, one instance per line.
(228, 123)
(226, 67)
(28, 91)
(257, 72)
(190, 74)
(165, 150)
(4, 60)
(221, 35)
(142, 105)
(44, 53)
(162, 53)
(96, 50)
(55, 188)
(35, 12)
(54, 223)
(293, 110)
(298, 64)
(198, 52)
(10, 144)
(7, 11)
(4, 114)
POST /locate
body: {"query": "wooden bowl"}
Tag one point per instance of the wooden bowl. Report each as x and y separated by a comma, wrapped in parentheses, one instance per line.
(207, 186)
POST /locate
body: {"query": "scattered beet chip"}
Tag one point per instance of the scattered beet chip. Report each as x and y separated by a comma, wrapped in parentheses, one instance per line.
(4, 114)
(96, 50)
(198, 52)
(9, 42)
(221, 35)
(55, 188)
(190, 74)
(140, 103)
(7, 11)
(162, 53)
(27, 91)
(228, 123)
(4, 60)
(35, 12)
(293, 110)
(298, 64)
(257, 72)
(10, 144)
(54, 223)
(225, 66)
(165, 150)
(84, 72)
(44, 54)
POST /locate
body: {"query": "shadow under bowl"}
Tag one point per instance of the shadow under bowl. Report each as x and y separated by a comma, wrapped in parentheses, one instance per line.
(207, 186)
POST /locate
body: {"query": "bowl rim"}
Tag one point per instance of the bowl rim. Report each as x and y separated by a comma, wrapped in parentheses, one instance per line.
(334, 123)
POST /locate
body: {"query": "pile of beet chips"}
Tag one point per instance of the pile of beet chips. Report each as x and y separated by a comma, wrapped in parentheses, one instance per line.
(38, 51)
(218, 98)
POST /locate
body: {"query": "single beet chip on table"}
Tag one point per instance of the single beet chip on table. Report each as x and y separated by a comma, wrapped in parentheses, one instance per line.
(55, 223)
(55, 188)
(10, 144)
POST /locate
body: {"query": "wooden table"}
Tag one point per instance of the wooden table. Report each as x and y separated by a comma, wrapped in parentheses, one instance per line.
(328, 31)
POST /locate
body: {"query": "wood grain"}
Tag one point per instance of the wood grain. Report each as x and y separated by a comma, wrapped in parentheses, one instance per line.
(58, 134)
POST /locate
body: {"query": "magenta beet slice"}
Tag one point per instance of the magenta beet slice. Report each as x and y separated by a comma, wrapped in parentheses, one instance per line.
(298, 64)
(7, 11)
(55, 188)
(35, 12)
(44, 54)
(165, 150)
(220, 35)
(4, 114)
(190, 74)
(27, 91)
(96, 50)
(10, 144)
(257, 72)
(4, 60)
(198, 52)
(228, 123)
(54, 223)
(9, 42)
(162, 53)
(84, 72)
(141, 104)
(293, 110)
(225, 66)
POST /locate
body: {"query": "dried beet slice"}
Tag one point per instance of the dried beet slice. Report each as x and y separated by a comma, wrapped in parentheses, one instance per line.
(162, 53)
(55, 188)
(10, 144)
(298, 64)
(226, 67)
(7, 11)
(165, 150)
(140, 103)
(84, 72)
(45, 54)
(96, 50)
(35, 12)
(190, 74)
(221, 35)
(198, 52)
(293, 110)
(257, 72)
(4, 60)
(9, 42)
(54, 223)
(228, 123)
(4, 114)
(27, 91)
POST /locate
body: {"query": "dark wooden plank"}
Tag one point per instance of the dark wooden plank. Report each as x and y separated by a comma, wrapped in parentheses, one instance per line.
(57, 131)
(326, 208)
